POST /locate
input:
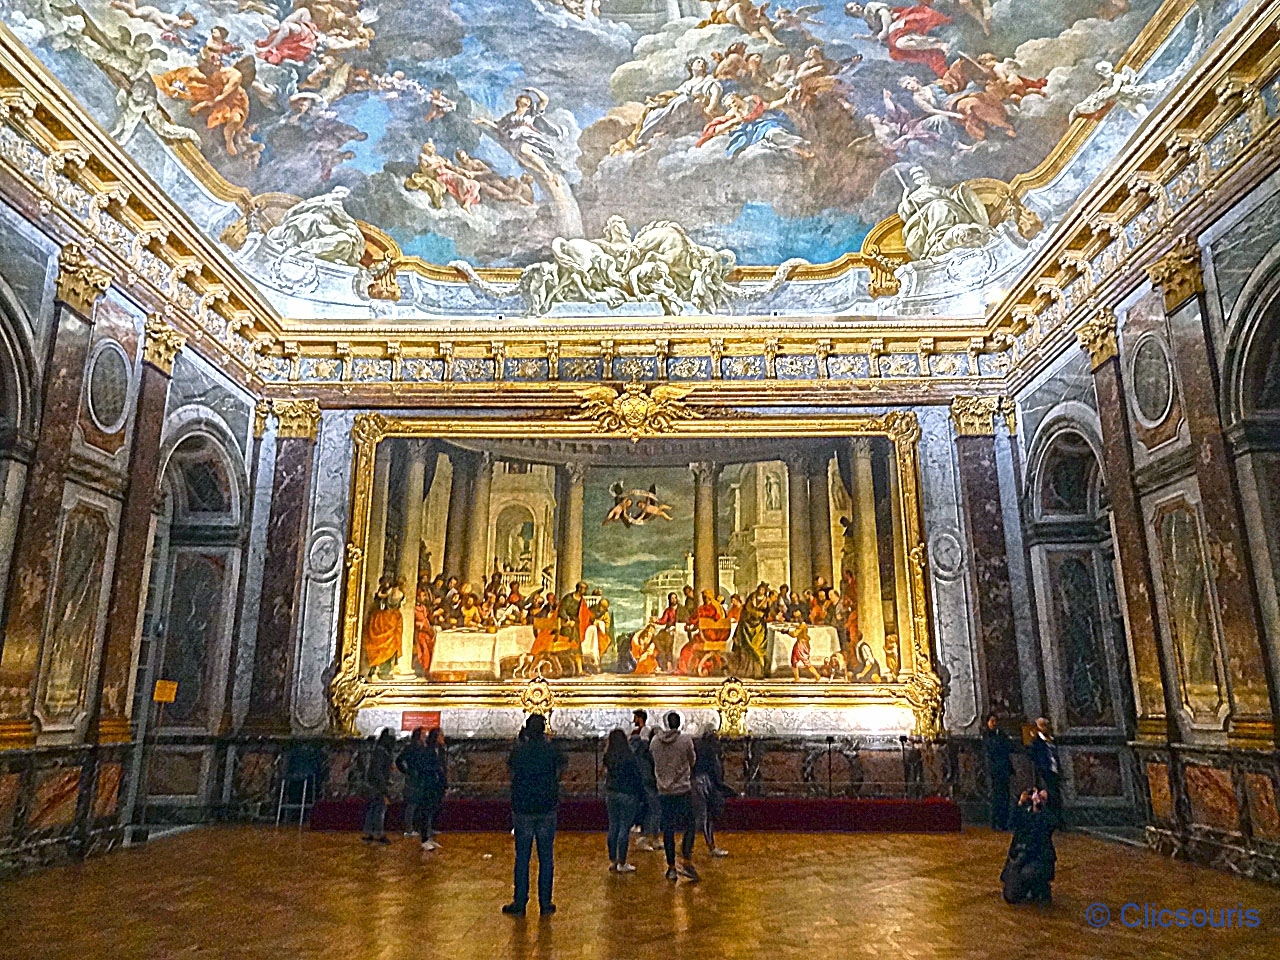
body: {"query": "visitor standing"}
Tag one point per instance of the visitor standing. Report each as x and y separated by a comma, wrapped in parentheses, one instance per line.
(623, 794)
(436, 782)
(377, 786)
(1044, 757)
(411, 763)
(535, 796)
(673, 759)
(709, 789)
(650, 817)
(999, 747)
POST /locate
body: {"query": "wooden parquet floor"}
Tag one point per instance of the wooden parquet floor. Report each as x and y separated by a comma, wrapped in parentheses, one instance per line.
(261, 894)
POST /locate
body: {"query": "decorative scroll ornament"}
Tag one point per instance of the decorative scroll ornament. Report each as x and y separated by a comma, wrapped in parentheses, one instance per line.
(162, 345)
(1098, 337)
(298, 418)
(974, 416)
(924, 693)
(633, 411)
(1179, 273)
(261, 412)
(732, 700)
(536, 698)
(345, 695)
(902, 426)
(80, 281)
(369, 428)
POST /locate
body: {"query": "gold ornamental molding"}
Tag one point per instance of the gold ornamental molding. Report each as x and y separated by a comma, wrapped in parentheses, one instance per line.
(732, 700)
(634, 411)
(1179, 273)
(163, 344)
(975, 416)
(1097, 337)
(537, 699)
(298, 419)
(81, 282)
(261, 414)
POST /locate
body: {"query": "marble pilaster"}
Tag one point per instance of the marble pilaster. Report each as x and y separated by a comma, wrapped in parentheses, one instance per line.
(799, 549)
(706, 554)
(80, 285)
(984, 524)
(278, 610)
(414, 494)
(478, 560)
(110, 721)
(246, 640)
(823, 561)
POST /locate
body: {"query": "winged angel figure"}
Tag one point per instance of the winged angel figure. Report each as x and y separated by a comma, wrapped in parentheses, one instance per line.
(633, 411)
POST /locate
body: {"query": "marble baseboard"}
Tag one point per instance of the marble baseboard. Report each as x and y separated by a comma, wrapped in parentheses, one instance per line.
(1222, 851)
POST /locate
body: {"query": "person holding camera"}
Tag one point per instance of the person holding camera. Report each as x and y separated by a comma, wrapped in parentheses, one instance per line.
(1029, 869)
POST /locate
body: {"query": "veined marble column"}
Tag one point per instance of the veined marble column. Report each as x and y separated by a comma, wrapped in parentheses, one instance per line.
(823, 564)
(569, 556)
(454, 563)
(1179, 276)
(110, 721)
(1155, 679)
(706, 554)
(870, 599)
(414, 494)
(80, 284)
(278, 611)
(478, 558)
(798, 533)
(974, 419)
(906, 628)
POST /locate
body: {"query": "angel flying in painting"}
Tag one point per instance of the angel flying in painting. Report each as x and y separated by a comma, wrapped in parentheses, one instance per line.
(526, 134)
(635, 508)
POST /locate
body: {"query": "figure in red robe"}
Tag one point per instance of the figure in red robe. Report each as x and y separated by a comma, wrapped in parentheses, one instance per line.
(909, 40)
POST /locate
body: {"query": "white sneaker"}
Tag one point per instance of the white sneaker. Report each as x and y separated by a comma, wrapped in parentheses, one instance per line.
(625, 868)
(430, 845)
(719, 852)
(644, 844)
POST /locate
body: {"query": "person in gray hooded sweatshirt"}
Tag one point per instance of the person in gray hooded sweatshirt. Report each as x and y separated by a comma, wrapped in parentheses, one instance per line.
(673, 759)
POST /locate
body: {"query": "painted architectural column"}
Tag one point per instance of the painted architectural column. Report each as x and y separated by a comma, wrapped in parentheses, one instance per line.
(823, 563)
(376, 547)
(414, 494)
(80, 284)
(279, 609)
(974, 419)
(569, 557)
(706, 552)
(798, 535)
(870, 591)
(478, 559)
(110, 721)
(1178, 275)
(1155, 679)
(454, 562)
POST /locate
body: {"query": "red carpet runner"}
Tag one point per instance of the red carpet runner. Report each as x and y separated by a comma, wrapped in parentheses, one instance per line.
(931, 815)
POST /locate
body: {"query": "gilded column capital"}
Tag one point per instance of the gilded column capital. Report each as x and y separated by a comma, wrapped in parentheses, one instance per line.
(80, 281)
(1179, 273)
(261, 413)
(162, 344)
(298, 418)
(975, 416)
(1097, 336)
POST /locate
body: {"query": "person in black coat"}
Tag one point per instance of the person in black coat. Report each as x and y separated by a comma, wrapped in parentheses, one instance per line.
(377, 786)
(1044, 757)
(649, 816)
(623, 794)
(535, 766)
(1000, 747)
(709, 788)
(1031, 864)
(425, 779)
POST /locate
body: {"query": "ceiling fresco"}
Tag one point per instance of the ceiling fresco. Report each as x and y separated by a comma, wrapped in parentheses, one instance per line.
(686, 138)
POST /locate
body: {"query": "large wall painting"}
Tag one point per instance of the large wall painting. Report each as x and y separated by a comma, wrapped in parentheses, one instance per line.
(484, 131)
(489, 561)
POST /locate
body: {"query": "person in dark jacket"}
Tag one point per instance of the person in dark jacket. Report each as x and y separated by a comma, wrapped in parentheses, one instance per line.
(422, 763)
(437, 782)
(410, 763)
(377, 786)
(709, 789)
(535, 766)
(999, 746)
(623, 794)
(649, 817)
(1030, 866)
(1044, 757)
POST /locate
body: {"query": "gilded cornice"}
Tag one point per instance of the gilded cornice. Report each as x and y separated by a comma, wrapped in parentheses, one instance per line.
(80, 281)
(162, 344)
(1097, 337)
(297, 418)
(975, 416)
(1179, 273)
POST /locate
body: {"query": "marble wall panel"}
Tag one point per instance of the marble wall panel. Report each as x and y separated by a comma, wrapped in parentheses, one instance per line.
(195, 382)
(111, 381)
(199, 613)
(53, 802)
(781, 772)
(323, 569)
(251, 592)
(1239, 249)
(1264, 816)
(1212, 796)
(255, 775)
(1096, 774)
(1161, 795)
(30, 270)
(580, 773)
(106, 793)
(10, 791)
(175, 772)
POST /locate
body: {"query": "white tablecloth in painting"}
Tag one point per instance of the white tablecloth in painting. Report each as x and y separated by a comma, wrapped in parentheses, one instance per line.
(823, 642)
(478, 652)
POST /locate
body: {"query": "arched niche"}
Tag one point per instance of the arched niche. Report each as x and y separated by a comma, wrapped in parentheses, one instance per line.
(19, 419)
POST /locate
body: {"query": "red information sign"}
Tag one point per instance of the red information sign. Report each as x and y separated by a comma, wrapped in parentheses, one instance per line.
(426, 719)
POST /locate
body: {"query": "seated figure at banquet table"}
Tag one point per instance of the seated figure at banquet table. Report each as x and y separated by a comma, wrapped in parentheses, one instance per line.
(706, 652)
(750, 639)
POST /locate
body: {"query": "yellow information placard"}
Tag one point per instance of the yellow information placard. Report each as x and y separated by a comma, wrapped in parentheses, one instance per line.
(166, 691)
